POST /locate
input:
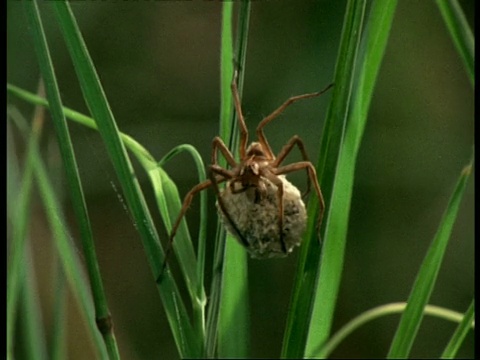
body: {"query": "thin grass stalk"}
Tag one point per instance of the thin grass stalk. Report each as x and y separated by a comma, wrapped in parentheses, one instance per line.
(102, 313)
(460, 333)
(380, 311)
(461, 34)
(188, 344)
(157, 175)
(234, 308)
(19, 212)
(229, 258)
(62, 239)
(296, 332)
(34, 335)
(199, 300)
(226, 74)
(58, 349)
(427, 275)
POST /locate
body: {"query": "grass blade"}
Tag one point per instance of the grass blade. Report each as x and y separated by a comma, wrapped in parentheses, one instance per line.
(227, 319)
(60, 316)
(234, 310)
(461, 34)
(171, 208)
(380, 311)
(295, 338)
(373, 46)
(18, 213)
(63, 243)
(158, 177)
(423, 286)
(34, 334)
(460, 333)
(187, 343)
(102, 314)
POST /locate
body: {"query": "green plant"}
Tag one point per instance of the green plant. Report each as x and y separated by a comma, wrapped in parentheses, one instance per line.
(212, 328)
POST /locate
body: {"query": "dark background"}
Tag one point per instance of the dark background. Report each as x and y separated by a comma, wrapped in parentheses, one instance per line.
(159, 64)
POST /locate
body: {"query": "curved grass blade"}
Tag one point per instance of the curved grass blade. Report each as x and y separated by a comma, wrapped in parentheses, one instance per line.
(295, 338)
(459, 335)
(427, 275)
(461, 34)
(157, 176)
(102, 313)
(372, 49)
(187, 343)
(380, 311)
(171, 208)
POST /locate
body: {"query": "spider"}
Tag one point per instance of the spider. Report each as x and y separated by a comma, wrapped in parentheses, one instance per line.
(258, 205)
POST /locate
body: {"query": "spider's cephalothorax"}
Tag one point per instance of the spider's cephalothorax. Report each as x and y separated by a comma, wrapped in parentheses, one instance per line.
(259, 207)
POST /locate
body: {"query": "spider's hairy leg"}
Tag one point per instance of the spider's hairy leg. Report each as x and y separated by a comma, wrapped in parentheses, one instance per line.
(186, 204)
(241, 119)
(313, 178)
(215, 169)
(295, 140)
(279, 184)
(218, 144)
(281, 108)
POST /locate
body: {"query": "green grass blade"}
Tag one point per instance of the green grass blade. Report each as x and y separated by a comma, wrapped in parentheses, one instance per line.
(187, 344)
(423, 286)
(373, 46)
(102, 312)
(160, 180)
(63, 243)
(234, 311)
(459, 335)
(34, 334)
(461, 34)
(142, 155)
(380, 311)
(298, 321)
(60, 316)
(171, 208)
(18, 212)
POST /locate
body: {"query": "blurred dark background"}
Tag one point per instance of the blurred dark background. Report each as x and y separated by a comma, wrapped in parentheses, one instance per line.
(159, 64)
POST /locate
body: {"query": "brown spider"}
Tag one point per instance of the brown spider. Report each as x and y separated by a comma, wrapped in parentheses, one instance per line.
(258, 205)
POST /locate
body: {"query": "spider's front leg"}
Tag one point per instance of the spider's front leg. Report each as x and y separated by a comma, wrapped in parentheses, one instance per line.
(219, 145)
(281, 108)
(186, 204)
(241, 119)
(295, 140)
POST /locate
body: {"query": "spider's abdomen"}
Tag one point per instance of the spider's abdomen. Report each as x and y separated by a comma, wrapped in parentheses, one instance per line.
(255, 215)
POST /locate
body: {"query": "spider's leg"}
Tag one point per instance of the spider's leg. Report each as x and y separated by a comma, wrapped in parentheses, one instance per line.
(313, 178)
(281, 108)
(241, 119)
(279, 184)
(218, 144)
(217, 169)
(295, 140)
(186, 204)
